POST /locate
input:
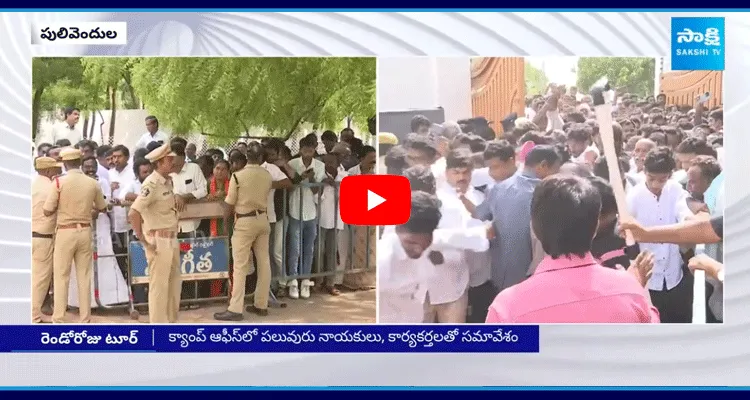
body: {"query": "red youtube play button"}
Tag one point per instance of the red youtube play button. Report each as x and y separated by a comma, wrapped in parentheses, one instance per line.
(375, 200)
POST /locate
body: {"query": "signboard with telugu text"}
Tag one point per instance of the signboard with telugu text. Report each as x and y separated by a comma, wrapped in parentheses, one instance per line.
(200, 258)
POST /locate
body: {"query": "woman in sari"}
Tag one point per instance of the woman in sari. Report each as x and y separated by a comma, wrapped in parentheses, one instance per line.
(218, 185)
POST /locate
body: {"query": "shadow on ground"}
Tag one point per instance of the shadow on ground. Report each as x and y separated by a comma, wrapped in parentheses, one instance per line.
(348, 308)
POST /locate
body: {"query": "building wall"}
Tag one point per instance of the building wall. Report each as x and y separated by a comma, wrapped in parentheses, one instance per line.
(425, 83)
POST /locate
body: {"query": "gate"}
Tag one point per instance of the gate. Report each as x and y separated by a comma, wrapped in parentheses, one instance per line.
(683, 87)
(497, 88)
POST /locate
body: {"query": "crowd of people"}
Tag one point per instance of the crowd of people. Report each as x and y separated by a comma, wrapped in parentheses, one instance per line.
(523, 225)
(139, 193)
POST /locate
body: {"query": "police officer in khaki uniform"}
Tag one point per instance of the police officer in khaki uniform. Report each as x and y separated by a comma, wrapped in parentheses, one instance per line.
(247, 199)
(42, 233)
(153, 217)
(386, 141)
(73, 198)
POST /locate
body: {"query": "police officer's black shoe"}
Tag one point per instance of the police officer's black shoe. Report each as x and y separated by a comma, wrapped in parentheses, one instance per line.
(262, 312)
(228, 316)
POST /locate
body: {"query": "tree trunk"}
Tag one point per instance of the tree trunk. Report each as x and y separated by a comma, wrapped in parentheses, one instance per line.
(36, 112)
(113, 105)
(91, 130)
(134, 100)
(86, 126)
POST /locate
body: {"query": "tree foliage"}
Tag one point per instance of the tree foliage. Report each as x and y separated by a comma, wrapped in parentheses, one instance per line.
(224, 97)
(536, 80)
(81, 82)
(49, 76)
(627, 74)
(227, 96)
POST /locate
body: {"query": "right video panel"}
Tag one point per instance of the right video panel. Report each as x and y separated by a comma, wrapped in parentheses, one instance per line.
(552, 190)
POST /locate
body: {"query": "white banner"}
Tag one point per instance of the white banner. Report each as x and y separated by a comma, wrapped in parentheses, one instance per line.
(81, 33)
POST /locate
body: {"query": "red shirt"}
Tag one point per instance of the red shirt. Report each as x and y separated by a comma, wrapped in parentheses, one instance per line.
(574, 290)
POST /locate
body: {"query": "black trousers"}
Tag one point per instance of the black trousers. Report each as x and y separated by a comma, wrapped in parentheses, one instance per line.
(676, 305)
(480, 299)
(120, 247)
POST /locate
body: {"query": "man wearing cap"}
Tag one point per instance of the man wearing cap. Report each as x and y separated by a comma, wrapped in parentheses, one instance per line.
(247, 199)
(73, 197)
(42, 233)
(154, 219)
(386, 141)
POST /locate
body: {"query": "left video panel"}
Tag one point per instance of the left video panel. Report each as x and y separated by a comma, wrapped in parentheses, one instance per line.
(198, 190)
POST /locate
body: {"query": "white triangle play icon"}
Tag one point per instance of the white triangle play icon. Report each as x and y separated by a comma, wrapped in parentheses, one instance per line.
(373, 200)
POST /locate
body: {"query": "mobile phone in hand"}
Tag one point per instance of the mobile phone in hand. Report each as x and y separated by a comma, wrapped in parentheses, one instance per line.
(704, 97)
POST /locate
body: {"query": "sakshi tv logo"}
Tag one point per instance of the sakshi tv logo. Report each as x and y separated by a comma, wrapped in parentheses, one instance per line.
(697, 44)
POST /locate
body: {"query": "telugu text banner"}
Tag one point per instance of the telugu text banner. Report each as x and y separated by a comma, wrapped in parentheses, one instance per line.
(273, 338)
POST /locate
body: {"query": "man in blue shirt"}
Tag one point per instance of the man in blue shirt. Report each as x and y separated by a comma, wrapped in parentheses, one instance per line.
(508, 205)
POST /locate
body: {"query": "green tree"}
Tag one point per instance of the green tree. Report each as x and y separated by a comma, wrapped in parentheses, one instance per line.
(536, 80)
(105, 75)
(90, 84)
(48, 75)
(628, 74)
(228, 96)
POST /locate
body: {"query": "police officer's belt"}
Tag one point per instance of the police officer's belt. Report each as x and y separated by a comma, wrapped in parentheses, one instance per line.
(251, 214)
(73, 226)
(42, 235)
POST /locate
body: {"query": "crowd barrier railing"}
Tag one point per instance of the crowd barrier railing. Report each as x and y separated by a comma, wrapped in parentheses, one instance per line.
(207, 260)
(320, 269)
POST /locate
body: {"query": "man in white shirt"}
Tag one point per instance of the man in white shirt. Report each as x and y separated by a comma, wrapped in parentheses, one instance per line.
(443, 136)
(303, 225)
(334, 238)
(280, 181)
(406, 263)
(189, 185)
(636, 174)
(447, 291)
(367, 161)
(580, 144)
(456, 232)
(88, 149)
(658, 201)
(153, 134)
(120, 176)
(68, 128)
(141, 170)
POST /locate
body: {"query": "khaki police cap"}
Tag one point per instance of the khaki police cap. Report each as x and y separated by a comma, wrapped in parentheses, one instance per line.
(387, 138)
(70, 154)
(45, 163)
(160, 152)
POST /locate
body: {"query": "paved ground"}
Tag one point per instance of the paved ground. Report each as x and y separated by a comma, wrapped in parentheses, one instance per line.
(349, 307)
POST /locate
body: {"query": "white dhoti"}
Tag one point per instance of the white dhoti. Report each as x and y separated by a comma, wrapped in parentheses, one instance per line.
(112, 287)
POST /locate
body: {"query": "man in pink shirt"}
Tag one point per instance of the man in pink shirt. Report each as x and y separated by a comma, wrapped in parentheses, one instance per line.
(569, 286)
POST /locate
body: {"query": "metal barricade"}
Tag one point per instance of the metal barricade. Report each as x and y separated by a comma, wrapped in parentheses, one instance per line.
(202, 258)
(205, 258)
(130, 305)
(323, 270)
